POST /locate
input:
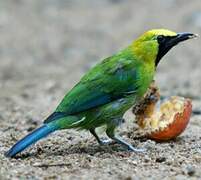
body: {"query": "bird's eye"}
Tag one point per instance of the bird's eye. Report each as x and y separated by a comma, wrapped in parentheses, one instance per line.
(160, 38)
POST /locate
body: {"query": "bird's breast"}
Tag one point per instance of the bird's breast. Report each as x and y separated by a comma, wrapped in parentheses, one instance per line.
(146, 76)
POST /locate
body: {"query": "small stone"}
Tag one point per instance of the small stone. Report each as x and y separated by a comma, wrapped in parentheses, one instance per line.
(147, 159)
(128, 178)
(190, 170)
(160, 159)
(149, 144)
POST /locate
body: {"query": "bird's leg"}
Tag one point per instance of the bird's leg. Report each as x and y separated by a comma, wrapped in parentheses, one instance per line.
(100, 141)
(111, 134)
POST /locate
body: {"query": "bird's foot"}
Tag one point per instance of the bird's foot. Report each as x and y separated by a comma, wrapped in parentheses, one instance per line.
(136, 150)
(101, 141)
(127, 145)
(104, 142)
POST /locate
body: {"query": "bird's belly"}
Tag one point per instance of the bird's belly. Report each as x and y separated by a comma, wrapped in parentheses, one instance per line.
(106, 113)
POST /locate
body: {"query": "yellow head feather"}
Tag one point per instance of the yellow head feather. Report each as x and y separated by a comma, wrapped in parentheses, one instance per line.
(146, 46)
(151, 34)
(164, 32)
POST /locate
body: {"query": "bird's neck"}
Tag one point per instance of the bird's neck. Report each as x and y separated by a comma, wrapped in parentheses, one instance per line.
(145, 54)
(145, 51)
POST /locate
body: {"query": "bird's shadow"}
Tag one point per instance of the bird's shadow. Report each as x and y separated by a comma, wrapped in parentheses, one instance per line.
(89, 148)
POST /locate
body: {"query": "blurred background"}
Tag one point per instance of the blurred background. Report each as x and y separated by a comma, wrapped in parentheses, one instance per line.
(47, 45)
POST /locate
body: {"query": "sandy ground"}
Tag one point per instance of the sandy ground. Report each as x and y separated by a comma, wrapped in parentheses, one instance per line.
(46, 46)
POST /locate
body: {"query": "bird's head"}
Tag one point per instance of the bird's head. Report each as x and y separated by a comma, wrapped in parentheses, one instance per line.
(154, 44)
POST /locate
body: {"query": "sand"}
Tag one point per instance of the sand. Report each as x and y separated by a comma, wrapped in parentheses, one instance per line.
(45, 48)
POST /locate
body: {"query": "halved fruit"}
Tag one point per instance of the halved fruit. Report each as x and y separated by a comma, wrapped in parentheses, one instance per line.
(162, 121)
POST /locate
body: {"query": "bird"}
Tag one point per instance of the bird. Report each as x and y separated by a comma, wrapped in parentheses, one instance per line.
(108, 90)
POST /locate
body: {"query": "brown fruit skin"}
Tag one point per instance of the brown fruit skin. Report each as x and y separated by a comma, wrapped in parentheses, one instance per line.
(176, 127)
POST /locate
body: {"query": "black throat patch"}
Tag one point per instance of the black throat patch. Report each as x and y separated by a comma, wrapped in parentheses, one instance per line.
(165, 44)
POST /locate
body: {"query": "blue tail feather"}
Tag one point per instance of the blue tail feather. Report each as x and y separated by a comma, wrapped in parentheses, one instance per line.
(30, 139)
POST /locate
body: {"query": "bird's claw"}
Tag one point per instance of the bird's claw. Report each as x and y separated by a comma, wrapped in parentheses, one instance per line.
(136, 150)
(106, 142)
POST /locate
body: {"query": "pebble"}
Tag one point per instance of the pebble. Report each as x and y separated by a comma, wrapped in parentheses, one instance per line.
(189, 170)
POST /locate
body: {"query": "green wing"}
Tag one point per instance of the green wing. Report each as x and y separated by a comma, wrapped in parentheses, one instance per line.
(112, 79)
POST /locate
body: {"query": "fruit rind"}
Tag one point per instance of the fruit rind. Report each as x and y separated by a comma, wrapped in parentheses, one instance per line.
(175, 128)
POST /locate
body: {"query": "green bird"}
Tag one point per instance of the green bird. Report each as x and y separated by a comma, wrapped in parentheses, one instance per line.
(108, 90)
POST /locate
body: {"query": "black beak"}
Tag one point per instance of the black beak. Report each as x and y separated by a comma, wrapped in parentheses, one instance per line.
(172, 41)
(167, 42)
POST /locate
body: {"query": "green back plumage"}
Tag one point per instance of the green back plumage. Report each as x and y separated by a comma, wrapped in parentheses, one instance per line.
(111, 79)
(128, 72)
